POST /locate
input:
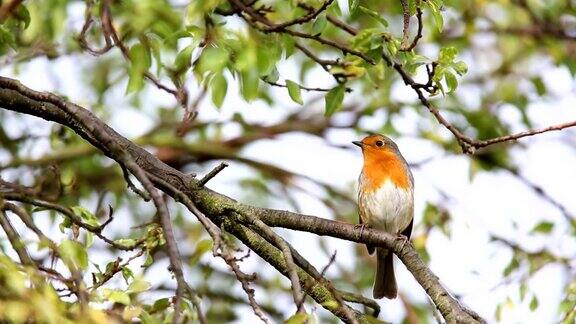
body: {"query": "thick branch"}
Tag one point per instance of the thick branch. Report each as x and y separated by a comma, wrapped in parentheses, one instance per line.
(16, 97)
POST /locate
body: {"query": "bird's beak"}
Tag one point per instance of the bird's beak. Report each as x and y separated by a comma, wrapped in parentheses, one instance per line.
(357, 143)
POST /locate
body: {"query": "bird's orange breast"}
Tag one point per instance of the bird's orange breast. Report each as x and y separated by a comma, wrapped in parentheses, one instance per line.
(380, 166)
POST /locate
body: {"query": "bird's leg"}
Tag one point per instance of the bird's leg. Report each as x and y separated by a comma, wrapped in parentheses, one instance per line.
(361, 226)
(404, 239)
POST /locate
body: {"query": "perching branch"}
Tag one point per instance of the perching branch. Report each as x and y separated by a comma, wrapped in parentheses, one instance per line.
(16, 97)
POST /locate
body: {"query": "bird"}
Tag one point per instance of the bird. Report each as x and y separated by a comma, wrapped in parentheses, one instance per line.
(385, 202)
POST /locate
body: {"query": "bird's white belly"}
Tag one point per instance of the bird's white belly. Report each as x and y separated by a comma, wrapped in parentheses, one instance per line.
(389, 208)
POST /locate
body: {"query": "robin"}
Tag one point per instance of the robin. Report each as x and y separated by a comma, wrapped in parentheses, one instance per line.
(386, 203)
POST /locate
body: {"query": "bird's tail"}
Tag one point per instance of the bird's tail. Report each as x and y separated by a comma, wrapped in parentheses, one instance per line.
(385, 282)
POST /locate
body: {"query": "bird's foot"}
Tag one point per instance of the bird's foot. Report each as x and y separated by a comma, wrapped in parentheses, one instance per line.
(403, 240)
(361, 227)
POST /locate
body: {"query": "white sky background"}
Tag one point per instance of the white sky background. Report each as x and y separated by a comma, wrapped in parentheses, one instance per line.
(467, 263)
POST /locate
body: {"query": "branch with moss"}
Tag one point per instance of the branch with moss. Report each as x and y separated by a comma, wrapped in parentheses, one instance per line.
(221, 209)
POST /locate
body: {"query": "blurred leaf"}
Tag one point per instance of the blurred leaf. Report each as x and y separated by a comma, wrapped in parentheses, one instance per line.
(436, 14)
(218, 88)
(543, 227)
(298, 318)
(539, 85)
(202, 247)
(85, 215)
(460, 67)
(319, 25)
(212, 59)
(183, 60)
(334, 99)
(294, 91)
(522, 290)
(138, 286)
(160, 305)
(451, 81)
(249, 85)
(117, 296)
(74, 254)
(353, 5)
(127, 274)
(512, 265)
(140, 62)
(533, 303)
(126, 242)
(6, 38)
(374, 15)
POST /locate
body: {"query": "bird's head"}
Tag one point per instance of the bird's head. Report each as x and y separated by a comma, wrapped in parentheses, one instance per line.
(377, 145)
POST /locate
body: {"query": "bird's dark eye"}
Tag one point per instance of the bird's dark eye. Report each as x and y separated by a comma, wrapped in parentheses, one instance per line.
(379, 143)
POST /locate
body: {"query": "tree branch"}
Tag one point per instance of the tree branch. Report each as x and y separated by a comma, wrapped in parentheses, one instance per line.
(16, 97)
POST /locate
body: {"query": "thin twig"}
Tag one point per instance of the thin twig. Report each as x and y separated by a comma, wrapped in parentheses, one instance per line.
(276, 84)
(212, 174)
(291, 267)
(191, 112)
(406, 23)
(14, 238)
(312, 14)
(220, 249)
(405, 47)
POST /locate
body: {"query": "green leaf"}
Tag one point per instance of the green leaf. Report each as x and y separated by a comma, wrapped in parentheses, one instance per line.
(460, 67)
(126, 242)
(149, 260)
(447, 55)
(246, 58)
(289, 45)
(213, 59)
(273, 76)
(88, 239)
(117, 296)
(23, 14)
(160, 305)
(85, 215)
(269, 54)
(140, 61)
(183, 60)
(451, 81)
(319, 25)
(6, 38)
(513, 265)
(139, 285)
(73, 254)
(353, 5)
(522, 290)
(66, 223)
(127, 273)
(539, 85)
(543, 227)
(375, 15)
(334, 99)
(298, 318)
(294, 91)
(533, 303)
(249, 84)
(438, 19)
(156, 49)
(203, 246)
(218, 88)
